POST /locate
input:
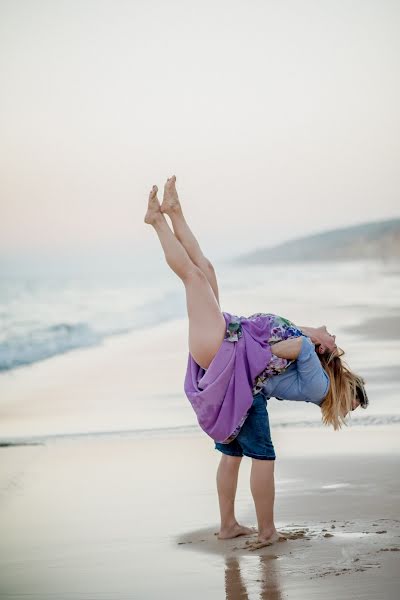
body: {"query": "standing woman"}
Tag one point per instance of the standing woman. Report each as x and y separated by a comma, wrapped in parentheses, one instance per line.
(232, 369)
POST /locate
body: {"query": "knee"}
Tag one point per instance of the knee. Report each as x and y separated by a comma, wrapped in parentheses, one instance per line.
(194, 274)
(263, 464)
(208, 265)
(231, 462)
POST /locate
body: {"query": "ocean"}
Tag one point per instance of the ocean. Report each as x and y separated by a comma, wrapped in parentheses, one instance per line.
(42, 318)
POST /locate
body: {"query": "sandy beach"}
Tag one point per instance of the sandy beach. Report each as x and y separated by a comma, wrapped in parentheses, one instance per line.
(133, 514)
(136, 518)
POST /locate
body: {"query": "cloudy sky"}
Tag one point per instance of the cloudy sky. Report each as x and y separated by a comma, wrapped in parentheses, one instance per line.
(278, 119)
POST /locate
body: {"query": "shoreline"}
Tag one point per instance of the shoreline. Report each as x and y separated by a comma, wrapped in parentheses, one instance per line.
(382, 439)
(106, 389)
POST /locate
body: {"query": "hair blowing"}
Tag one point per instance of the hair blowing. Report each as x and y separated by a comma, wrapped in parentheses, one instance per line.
(345, 386)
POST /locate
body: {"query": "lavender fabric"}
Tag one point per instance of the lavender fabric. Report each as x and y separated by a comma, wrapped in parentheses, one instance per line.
(222, 394)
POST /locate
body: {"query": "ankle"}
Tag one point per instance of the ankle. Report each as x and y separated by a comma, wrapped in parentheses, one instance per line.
(176, 211)
(229, 524)
(266, 532)
(158, 220)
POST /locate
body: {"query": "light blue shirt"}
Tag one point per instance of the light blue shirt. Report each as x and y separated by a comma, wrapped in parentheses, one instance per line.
(305, 379)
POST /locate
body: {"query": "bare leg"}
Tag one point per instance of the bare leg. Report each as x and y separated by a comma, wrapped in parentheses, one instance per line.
(172, 207)
(263, 490)
(227, 477)
(206, 322)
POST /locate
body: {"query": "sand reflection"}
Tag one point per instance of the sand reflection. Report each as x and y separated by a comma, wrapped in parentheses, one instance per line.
(237, 583)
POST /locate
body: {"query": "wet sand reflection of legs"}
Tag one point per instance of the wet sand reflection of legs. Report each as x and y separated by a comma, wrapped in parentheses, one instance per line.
(236, 587)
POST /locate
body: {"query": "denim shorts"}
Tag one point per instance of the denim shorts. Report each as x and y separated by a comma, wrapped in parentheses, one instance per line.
(254, 438)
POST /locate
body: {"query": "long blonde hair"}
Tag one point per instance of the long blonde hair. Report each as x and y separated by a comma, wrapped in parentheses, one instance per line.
(345, 386)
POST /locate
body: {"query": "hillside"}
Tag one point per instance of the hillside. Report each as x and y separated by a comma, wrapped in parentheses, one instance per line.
(375, 240)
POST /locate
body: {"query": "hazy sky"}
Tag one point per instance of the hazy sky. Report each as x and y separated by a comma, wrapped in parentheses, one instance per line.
(278, 118)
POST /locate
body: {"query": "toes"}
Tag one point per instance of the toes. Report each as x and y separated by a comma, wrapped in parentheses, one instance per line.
(170, 180)
(153, 191)
(256, 546)
(252, 545)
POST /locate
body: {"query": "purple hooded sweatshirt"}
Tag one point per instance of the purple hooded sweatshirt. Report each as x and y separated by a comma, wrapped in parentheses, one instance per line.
(222, 395)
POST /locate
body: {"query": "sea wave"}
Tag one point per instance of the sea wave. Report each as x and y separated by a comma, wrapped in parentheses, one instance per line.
(43, 342)
(26, 341)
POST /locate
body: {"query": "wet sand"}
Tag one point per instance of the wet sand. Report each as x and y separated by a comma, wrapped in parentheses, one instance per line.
(136, 518)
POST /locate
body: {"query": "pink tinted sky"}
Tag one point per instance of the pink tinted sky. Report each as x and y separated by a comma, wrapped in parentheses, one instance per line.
(279, 119)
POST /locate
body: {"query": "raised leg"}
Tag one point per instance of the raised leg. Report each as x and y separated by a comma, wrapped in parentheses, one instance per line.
(227, 478)
(206, 322)
(172, 207)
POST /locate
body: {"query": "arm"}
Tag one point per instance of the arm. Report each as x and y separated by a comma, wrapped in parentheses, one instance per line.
(320, 337)
(289, 348)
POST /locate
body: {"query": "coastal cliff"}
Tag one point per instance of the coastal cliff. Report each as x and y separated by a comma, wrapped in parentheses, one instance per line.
(369, 241)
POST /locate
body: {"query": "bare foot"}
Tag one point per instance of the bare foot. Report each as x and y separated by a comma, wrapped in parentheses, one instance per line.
(265, 540)
(153, 209)
(235, 531)
(170, 201)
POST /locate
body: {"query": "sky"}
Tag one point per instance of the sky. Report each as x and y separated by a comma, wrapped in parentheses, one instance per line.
(278, 119)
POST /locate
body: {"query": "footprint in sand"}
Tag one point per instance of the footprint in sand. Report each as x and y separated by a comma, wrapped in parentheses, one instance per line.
(296, 534)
